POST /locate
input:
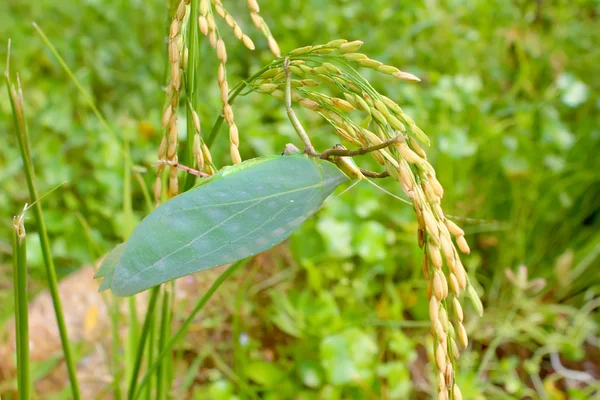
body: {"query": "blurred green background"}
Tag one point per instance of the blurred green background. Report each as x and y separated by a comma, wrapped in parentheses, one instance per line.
(510, 100)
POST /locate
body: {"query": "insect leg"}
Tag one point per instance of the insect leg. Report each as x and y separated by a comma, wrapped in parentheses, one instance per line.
(308, 147)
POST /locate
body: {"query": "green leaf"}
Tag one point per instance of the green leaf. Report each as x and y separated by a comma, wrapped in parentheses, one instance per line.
(337, 235)
(264, 373)
(310, 373)
(219, 390)
(107, 269)
(574, 92)
(397, 375)
(371, 241)
(348, 356)
(242, 211)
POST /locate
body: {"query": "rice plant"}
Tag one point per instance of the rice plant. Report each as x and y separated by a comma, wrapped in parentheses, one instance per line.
(340, 84)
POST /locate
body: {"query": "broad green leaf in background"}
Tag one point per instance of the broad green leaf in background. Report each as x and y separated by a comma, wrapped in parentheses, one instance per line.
(264, 373)
(398, 376)
(219, 390)
(337, 235)
(310, 373)
(370, 241)
(573, 91)
(348, 356)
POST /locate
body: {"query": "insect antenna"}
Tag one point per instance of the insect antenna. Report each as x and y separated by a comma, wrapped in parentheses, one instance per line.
(378, 187)
(348, 188)
(388, 192)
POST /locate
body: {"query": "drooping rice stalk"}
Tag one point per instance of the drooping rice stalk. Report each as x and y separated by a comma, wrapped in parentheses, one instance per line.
(320, 70)
(326, 81)
(182, 52)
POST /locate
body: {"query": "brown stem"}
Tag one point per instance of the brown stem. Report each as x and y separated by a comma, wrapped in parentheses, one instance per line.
(373, 174)
(343, 152)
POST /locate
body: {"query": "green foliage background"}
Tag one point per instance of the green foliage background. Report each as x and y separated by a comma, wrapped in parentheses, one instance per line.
(510, 100)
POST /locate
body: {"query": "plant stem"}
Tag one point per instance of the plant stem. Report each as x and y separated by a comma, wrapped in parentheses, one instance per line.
(145, 192)
(117, 369)
(165, 324)
(150, 347)
(21, 308)
(142, 341)
(133, 328)
(16, 100)
(186, 324)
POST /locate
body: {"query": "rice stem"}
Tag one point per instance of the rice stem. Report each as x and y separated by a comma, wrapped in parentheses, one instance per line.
(21, 308)
(16, 100)
(142, 341)
(165, 325)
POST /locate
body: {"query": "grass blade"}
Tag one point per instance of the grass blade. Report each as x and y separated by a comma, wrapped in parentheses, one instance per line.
(131, 349)
(165, 325)
(142, 341)
(15, 95)
(21, 307)
(186, 324)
